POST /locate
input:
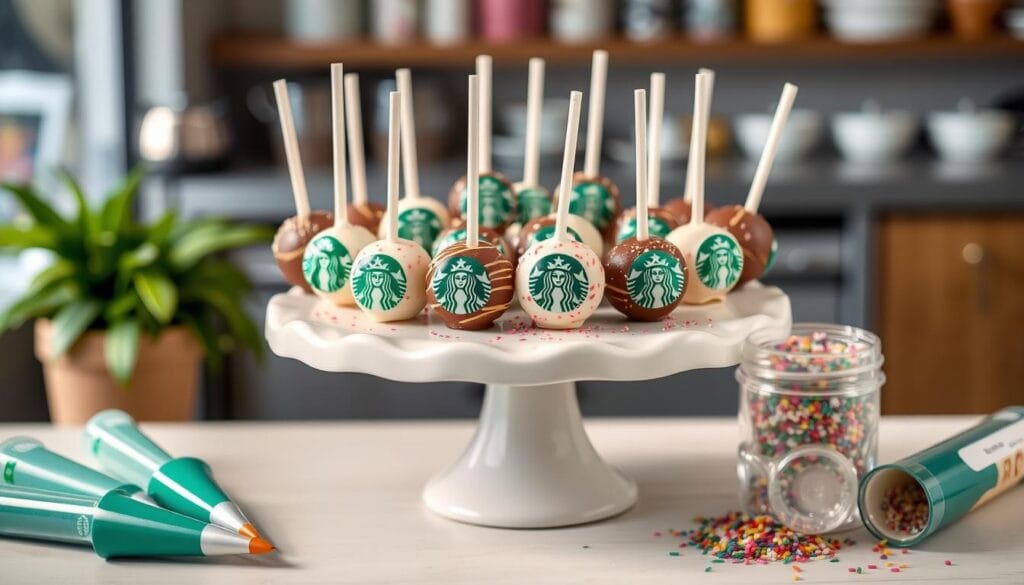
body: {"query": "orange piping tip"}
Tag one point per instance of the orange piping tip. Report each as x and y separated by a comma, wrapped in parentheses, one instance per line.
(258, 546)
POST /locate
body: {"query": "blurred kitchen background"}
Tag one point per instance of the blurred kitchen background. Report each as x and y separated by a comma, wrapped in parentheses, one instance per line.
(897, 199)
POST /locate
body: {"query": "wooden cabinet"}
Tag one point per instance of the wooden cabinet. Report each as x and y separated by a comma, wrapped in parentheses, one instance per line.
(951, 312)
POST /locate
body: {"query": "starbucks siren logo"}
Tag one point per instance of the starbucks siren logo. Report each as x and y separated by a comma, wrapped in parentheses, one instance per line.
(533, 203)
(558, 283)
(378, 283)
(547, 232)
(419, 225)
(496, 201)
(771, 255)
(461, 285)
(655, 227)
(655, 279)
(326, 264)
(83, 525)
(719, 262)
(9, 471)
(593, 202)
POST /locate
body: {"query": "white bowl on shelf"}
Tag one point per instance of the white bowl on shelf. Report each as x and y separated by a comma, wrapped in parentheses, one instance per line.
(874, 137)
(801, 135)
(879, 20)
(971, 136)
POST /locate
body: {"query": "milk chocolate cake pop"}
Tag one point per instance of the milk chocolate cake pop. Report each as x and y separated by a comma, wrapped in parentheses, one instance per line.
(420, 218)
(645, 275)
(469, 284)
(361, 211)
(595, 197)
(560, 282)
(497, 198)
(743, 221)
(681, 207)
(388, 275)
(713, 255)
(533, 200)
(295, 232)
(327, 260)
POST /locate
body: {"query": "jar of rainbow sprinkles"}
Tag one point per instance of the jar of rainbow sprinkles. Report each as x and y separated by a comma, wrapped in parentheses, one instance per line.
(808, 418)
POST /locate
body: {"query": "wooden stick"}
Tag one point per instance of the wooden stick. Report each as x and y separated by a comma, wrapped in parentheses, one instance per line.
(595, 115)
(394, 155)
(771, 147)
(410, 164)
(706, 113)
(698, 140)
(572, 131)
(338, 141)
(640, 122)
(291, 151)
(534, 103)
(473, 165)
(654, 146)
(354, 122)
(484, 71)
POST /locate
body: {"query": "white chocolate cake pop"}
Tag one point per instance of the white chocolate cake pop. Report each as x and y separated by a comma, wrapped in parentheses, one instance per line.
(420, 218)
(388, 275)
(543, 228)
(327, 260)
(533, 200)
(712, 254)
(560, 282)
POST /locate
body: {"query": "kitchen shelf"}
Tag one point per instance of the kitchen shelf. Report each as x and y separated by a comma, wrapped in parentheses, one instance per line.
(265, 51)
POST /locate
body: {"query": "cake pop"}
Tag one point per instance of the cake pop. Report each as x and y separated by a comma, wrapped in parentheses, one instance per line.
(660, 222)
(454, 235)
(560, 282)
(388, 275)
(295, 232)
(497, 198)
(533, 200)
(743, 221)
(595, 197)
(645, 275)
(328, 256)
(420, 218)
(680, 207)
(712, 254)
(361, 211)
(469, 284)
(543, 228)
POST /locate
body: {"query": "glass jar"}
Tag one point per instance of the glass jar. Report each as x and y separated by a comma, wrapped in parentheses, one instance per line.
(809, 407)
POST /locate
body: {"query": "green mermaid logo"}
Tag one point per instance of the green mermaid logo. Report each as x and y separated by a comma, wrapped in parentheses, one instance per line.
(533, 203)
(656, 227)
(558, 283)
(547, 232)
(771, 255)
(719, 262)
(593, 202)
(655, 279)
(496, 201)
(378, 283)
(419, 225)
(461, 285)
(326, 264)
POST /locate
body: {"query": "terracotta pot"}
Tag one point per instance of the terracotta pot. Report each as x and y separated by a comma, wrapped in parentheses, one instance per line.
(974, 19)
(773, 21)
(163, 386)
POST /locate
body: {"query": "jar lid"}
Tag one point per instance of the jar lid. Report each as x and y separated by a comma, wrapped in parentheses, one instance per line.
(813, 489)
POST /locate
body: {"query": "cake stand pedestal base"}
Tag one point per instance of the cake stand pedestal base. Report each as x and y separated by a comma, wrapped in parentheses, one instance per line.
(530, 465)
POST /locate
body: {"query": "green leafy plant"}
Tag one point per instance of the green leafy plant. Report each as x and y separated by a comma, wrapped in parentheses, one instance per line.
(130, 279)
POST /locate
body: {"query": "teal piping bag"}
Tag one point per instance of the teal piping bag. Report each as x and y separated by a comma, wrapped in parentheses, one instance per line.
(115, 525)
(949, 479)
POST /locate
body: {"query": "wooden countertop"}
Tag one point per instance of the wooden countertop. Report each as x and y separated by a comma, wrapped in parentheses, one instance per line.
(342, 501)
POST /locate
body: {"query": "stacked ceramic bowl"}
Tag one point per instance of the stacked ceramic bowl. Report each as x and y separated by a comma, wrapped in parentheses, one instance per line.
(879, 20)
(873, 135)
(971, 135)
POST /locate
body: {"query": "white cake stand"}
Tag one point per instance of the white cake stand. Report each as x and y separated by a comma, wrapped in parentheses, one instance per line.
(530, 463)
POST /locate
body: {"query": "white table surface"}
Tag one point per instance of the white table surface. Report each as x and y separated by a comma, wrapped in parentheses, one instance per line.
(342, 501)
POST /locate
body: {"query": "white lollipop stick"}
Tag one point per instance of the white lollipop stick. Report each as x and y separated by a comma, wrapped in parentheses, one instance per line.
(640, 121)
(354, 122)
(394, 138)
(698, 140)
(572, 130)
(595, 114)
(291, 151)
(410, 164)
(706, 113)
(534, 102)
(483, 69)
(338, 141)
(764, 166)
(473, 165)
(654, 146)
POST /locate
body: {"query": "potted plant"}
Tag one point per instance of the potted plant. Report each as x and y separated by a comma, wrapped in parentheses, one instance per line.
(126, 311)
